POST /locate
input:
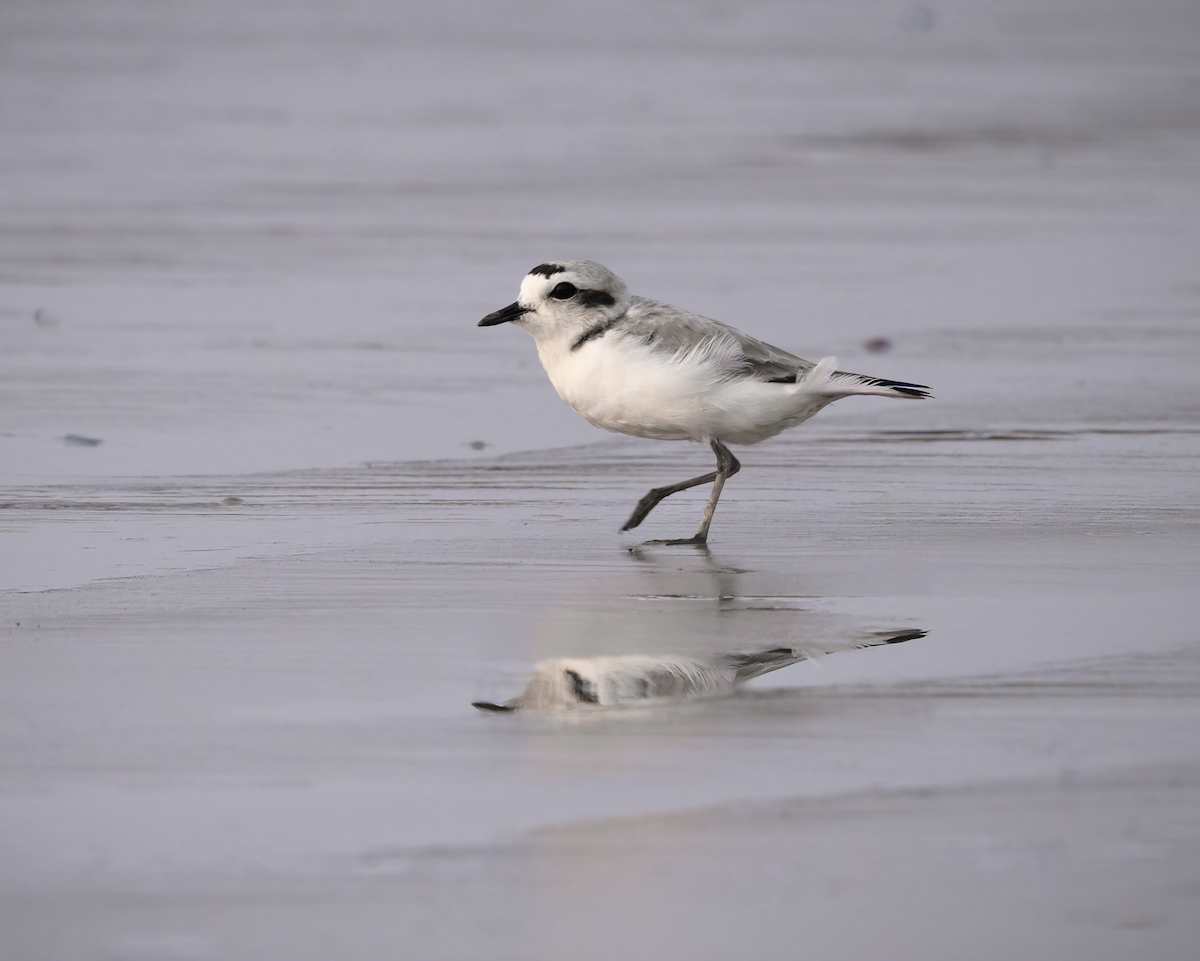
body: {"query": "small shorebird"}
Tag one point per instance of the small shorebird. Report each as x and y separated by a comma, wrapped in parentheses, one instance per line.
(636, 366)
(567, 682)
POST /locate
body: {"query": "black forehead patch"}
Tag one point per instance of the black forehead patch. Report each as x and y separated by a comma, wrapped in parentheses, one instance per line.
(596, 298)
(548, 270)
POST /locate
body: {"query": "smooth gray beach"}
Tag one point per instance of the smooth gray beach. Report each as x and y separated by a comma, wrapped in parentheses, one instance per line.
(274, 511)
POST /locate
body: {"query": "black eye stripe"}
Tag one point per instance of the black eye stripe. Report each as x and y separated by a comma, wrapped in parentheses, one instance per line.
(597, 298)
(564, 291)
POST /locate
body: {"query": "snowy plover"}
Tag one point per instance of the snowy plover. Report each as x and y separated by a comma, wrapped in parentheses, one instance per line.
(636, 366)
(566, 682)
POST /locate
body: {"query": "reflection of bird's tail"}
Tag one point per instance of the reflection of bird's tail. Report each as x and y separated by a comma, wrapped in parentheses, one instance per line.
(826, 379)
(887, 637)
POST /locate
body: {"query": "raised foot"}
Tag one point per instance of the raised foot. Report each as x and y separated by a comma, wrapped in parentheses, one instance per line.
(659, 494)
(645, 506)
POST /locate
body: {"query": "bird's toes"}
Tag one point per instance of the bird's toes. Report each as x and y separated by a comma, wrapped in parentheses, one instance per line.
(695, 540)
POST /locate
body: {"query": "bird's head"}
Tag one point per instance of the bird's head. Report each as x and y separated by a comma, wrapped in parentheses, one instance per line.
(564, 296)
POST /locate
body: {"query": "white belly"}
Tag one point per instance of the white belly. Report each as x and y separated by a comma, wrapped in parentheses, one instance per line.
(622, 388)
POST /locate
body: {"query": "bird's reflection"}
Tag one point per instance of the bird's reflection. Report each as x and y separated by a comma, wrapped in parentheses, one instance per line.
(565, 683)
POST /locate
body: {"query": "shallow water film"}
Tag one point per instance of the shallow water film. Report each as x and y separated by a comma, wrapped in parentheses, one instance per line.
(274, 512)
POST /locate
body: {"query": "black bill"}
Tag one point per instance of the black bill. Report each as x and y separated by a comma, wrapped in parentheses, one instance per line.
(504, 315)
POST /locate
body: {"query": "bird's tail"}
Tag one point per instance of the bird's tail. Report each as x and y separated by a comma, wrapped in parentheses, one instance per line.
(826, 380)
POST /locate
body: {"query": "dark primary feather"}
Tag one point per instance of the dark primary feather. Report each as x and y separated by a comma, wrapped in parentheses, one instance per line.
(899, 386)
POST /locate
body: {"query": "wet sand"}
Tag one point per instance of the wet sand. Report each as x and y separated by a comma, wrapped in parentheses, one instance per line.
(324, 512)
(271, 747)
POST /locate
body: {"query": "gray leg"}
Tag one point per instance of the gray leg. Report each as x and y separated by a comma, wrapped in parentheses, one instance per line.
(727, 466)
(650, 501)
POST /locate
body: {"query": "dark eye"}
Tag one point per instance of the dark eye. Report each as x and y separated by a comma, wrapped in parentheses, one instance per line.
(564, 291)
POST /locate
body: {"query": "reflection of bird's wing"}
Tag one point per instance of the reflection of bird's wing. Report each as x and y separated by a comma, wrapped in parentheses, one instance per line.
(679, 332)
(758, 663)
(746, 666)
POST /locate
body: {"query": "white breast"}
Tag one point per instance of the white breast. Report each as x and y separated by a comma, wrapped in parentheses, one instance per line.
(621, 388)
